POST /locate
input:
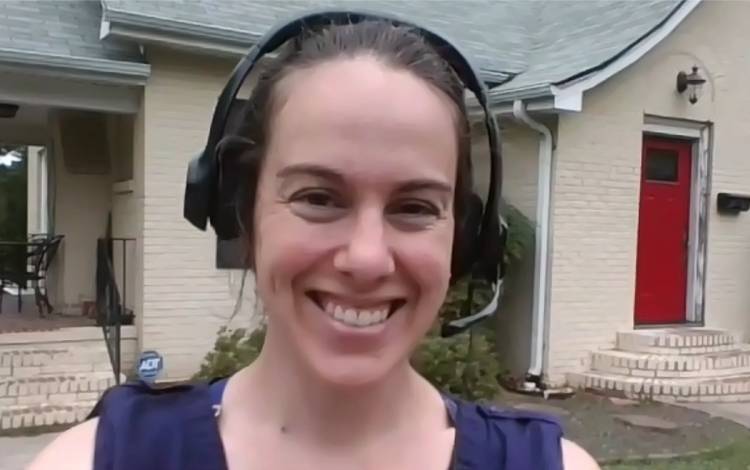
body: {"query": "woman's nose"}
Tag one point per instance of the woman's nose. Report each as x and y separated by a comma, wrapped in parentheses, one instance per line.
(366, 256)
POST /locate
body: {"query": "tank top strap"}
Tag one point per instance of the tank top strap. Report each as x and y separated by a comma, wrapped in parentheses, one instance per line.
(166, 429)
(489, 438)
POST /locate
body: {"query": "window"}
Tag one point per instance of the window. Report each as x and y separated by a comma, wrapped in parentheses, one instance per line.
(662, 165)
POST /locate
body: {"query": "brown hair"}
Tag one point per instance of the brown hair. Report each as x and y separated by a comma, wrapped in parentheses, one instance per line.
(396, 46)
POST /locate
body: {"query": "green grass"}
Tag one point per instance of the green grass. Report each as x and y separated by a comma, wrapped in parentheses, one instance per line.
(734, 457)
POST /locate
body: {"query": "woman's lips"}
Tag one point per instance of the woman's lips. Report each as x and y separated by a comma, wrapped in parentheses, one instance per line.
(356, 313)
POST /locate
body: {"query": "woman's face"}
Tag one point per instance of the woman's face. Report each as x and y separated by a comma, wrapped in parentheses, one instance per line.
(354, 217)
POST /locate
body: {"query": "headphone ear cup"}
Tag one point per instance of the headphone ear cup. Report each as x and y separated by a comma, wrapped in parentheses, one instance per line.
(199, 190)
(466, 243)
(233, 155)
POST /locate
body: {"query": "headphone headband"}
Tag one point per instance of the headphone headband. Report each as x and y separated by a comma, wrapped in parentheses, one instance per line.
(204, 191)
(285, 31)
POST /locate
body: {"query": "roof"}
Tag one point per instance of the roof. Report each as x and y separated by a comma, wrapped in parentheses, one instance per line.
(523, 48)
(63, 34)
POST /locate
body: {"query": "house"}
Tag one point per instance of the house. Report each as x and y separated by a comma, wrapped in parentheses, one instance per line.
(623, 137)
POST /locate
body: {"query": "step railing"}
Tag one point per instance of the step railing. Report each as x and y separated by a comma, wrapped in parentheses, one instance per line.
(111, 308)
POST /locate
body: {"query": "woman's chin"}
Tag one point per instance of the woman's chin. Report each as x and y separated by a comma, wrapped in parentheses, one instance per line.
(351, 371)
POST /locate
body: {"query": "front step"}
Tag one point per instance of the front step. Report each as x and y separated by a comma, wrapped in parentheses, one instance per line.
(732, 362)
(31, 362)
(30, 416)
(724, 389)
(676, 341)
(673, 364)
(45, 401)
(54, 390)
(52, 377)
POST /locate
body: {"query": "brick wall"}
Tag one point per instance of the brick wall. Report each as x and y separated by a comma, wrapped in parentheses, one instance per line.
(520, 163)
(597, 179)
(185, 299)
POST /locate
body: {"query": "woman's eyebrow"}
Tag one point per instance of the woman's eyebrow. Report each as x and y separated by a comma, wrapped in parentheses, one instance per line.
(311, 169)
(425, 184)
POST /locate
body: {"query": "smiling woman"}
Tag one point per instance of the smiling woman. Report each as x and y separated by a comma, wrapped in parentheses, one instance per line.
(357, 176)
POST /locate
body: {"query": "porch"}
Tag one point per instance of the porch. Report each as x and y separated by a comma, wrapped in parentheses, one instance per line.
(69, 237)
(75, 164)
(28, 319)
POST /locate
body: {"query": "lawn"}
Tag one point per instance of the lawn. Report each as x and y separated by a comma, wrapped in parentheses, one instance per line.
(734, 457)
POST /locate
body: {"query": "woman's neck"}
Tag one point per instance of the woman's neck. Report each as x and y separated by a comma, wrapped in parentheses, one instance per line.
(278, 391)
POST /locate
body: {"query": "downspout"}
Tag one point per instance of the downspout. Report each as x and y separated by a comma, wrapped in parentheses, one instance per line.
(533, 380)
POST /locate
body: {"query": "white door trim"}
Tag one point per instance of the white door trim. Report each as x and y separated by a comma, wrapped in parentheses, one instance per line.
(699, 134)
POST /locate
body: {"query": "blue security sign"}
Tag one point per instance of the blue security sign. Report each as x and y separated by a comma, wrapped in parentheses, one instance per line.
(150, 366)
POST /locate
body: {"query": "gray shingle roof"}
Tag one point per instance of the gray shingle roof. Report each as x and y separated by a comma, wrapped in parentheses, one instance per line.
(572, 37)
(59, 27)
(538, 42)
(527, 43)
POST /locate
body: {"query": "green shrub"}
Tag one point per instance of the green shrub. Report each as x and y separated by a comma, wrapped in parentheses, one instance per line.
(233, 350)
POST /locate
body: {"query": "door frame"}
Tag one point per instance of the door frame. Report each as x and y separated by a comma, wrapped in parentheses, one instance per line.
(699, 134)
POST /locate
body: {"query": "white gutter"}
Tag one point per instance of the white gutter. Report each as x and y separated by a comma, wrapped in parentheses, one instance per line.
(78, 68)
(542, 235)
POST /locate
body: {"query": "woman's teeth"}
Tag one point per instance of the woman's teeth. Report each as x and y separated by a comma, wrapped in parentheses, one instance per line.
(357, 317)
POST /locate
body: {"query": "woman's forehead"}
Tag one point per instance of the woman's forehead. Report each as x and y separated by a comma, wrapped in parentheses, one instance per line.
(361, 115)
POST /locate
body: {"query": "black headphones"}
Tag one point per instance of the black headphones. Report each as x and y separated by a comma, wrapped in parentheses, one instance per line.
(481, 235)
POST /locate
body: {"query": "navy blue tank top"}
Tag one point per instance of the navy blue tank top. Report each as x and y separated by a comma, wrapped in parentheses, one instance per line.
(176, 428)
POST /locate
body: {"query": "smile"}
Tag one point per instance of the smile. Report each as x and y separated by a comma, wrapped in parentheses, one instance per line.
(362, 315)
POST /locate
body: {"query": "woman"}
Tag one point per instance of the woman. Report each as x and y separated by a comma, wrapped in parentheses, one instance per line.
(362, 137)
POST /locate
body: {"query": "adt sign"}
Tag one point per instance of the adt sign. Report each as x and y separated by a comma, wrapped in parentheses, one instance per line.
(150, 366)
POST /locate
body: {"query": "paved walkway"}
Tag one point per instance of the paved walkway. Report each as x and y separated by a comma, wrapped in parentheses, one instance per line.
(737, 412)
(17, 452)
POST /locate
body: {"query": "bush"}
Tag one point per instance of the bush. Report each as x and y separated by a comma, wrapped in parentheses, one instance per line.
(233, 351)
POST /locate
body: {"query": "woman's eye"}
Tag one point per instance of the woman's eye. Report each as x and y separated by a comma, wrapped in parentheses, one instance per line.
(317, 198)
(413, 208)
(317, 205)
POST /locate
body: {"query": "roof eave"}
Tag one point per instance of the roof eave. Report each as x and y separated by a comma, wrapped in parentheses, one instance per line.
(145, 29)
(567, 95)
(539, 98)
(572, 90)
(77, 68)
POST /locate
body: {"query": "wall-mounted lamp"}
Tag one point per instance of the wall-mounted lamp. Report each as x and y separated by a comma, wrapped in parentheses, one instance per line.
(692, 82)
(8, 110)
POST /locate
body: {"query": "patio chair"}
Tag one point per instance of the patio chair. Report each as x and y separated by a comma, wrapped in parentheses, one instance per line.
(37, 256)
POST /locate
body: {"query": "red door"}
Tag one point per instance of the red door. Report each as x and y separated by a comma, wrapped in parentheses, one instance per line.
(663, 224)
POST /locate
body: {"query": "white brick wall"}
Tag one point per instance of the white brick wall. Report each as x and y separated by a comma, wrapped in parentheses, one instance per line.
(597, 185)
(520, 163)
(185, 299)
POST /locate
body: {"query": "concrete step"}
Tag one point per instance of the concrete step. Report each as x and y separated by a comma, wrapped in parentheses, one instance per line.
(639, 364)
(677, 341)
(42, 362)
(62, 389)
(731, 388)
(30, 416)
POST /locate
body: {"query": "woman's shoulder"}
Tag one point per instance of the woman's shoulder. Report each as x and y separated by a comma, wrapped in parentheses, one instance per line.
(507, 419)
(517, 437)
(135, 418)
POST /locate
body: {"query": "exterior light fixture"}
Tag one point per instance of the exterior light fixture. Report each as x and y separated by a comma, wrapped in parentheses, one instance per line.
(692, 82)
(8, 110)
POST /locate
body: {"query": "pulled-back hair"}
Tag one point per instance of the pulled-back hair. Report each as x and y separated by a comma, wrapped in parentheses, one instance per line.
(399, 47)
